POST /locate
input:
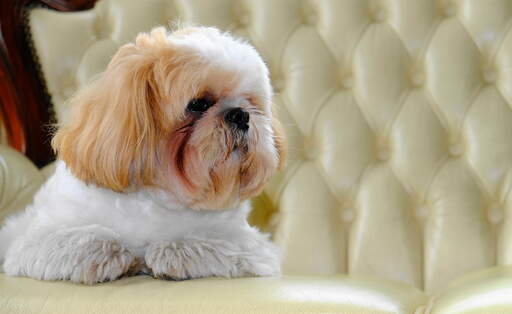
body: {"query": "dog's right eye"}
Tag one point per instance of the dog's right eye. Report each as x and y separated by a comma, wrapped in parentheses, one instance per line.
(199, 105)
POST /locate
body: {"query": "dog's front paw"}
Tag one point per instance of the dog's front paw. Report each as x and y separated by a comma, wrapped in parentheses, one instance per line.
(82, 255)
(189, 259)
(263, 260)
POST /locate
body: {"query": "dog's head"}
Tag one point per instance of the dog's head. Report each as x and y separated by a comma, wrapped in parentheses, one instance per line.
(188, 112)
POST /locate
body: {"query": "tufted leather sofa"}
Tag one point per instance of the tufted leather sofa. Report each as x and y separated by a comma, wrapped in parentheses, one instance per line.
(397, 194)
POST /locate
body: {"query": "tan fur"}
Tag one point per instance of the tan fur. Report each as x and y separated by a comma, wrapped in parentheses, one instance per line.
(279, 140)
(112, 139)
(129, 128)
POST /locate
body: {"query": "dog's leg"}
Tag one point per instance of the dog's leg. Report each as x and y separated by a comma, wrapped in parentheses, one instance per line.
(191, 258)
(88, 254)
(260, 257)
(196, 258)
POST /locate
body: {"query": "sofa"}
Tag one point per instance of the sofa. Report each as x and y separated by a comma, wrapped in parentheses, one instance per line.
(397, 193)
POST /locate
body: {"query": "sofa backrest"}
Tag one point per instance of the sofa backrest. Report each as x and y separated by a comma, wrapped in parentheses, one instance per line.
(398, 115)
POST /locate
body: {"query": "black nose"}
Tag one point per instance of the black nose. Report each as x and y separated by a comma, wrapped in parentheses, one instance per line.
(238, 118)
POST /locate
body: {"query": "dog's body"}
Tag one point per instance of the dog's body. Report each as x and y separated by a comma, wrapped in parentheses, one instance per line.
(156, 165)
(66, 230)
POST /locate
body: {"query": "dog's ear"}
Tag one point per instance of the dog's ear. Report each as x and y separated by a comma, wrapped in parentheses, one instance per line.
(279, 140)
(112, 137)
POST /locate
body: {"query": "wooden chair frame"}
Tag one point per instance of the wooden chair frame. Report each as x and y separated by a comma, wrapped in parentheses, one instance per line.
(25, 106)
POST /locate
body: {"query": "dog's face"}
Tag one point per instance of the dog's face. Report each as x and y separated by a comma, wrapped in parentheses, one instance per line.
(188, 112)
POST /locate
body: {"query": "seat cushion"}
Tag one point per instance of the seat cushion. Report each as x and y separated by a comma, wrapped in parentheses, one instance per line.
(143, 294)
(488, 291)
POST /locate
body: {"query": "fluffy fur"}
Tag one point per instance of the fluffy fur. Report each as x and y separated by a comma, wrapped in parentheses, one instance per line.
(143, 183)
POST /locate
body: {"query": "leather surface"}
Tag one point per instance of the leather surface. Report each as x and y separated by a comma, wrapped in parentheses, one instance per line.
(398, 114)
(486, 291)
(19, 180)
(336, 294)
(48, 170)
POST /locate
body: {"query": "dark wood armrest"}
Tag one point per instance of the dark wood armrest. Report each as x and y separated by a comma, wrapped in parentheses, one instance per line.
(26, 109)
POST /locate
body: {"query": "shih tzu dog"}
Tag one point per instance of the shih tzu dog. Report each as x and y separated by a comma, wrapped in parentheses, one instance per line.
(155, 169)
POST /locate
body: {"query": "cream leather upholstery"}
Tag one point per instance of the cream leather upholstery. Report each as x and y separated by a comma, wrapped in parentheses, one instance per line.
(19, 180)
(337, 294)
(399, 118)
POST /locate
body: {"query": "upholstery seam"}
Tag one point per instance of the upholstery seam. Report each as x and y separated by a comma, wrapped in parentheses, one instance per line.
(503, 96)
(468, 34)
(287, 178)
(352, 53)
(480, 182)
(499, 43)
(285, 44)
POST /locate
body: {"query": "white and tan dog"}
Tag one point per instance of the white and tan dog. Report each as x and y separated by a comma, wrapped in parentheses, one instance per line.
(155, 167)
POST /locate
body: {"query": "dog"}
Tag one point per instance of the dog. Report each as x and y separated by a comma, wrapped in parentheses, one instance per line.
(155, 168)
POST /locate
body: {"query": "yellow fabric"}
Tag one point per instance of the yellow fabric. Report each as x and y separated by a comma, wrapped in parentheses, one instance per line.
(337, 294)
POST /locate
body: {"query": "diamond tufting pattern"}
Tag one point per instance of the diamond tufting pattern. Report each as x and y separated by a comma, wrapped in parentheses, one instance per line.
(398, 113)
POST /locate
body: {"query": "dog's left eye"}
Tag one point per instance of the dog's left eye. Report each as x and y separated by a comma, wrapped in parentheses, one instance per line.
(199, 105)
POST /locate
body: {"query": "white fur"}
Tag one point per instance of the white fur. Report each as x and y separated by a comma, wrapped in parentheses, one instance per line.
(88, 234)
(230, 53)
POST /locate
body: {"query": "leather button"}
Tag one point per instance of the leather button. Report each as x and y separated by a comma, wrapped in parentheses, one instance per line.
(422, 212)
(68, 86)
(449, 8)
(456, 150)
(278, 85)
(495, 214)
(67, 92)
(346, 82)
(244, 20)
(347, 214)
(379, 14)
(310, 150)
(311, 18)
(490, 75)
(275, 220)
(417, 79)
(102, 26)
(383, 154)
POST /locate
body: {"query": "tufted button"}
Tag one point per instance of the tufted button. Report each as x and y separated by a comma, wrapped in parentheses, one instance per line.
(68, 91)
(275, 220)
(310, 149)
(383, 154)
(68, 86)
(346, 81)
(449, 8)
(489, 75)
(456, 149)
(244, 20)
(417, 79)
(278, 84)
(495, 214)
(102, 26)
(310, 18)
(422, 212)
(347, 214)
(378, 14)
